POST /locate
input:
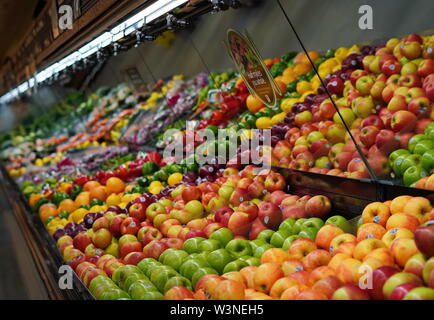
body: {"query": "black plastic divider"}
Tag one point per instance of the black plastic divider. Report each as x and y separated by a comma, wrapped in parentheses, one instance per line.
(41, 245)
(348, 196)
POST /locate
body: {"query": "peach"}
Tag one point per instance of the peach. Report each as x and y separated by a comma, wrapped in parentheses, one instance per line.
(337, 259)
(328, 285)
(403, 249)
(316, 258)
(372, 263)
(418, 207)
(382, 254)
(301, 248)
(291, 266)
(274, 255)
(302, 277)
(326, 234)
(366, 246)
(396, 233)
(397, 205)
(258, 296)
(416, 264)
(248, 273)
(292, 292)
(348, 270)
(281, 285)
(321, 273)
(311, 294)
(402, 220)
(340, 239)
(370, 230)
(347, 248)
(265, 276)
(229, 290)
(376, 212)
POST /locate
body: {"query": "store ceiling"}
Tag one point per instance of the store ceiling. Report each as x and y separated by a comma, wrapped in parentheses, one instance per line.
(15, 19)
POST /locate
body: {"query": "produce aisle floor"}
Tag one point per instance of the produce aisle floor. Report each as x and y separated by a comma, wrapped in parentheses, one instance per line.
(19, 278)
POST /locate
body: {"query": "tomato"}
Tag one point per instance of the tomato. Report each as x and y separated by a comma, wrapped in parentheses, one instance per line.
(81, 180)
(153, 156)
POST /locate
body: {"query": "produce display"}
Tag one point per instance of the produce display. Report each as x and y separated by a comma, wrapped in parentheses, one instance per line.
(136, 225)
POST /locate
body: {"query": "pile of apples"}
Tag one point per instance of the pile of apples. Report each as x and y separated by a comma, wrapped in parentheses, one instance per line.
(390, 257)
(384, 97)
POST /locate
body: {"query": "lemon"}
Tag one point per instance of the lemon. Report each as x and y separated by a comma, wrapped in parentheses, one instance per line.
(264, 123)
(113, 199)
(303, 86)
(287, 104)
(155, 187)
(174, 178)
(278, 117)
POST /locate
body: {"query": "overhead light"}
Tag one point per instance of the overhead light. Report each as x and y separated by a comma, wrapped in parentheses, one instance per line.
(148, 14)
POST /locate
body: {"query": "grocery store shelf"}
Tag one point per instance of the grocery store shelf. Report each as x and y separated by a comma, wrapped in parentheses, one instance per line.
(35, 258)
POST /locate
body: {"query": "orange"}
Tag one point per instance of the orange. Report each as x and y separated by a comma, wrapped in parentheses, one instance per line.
(90, 185)
(288, 72)
(47, 210)
(114, 185)
(254, 104)
(34, 198)
(287, 79)
(282, 87)
(64, 187)
(67, 205)
(302, 68)
(98, 193)
(83, 198)
(302, 57)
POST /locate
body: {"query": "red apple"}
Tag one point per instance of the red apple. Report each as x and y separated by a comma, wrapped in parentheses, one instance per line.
(138, 211)
(269, 214)
(386, 141)
(379, 277)
(154, 249)
(130, 226)
(424, 237)
(403, 121)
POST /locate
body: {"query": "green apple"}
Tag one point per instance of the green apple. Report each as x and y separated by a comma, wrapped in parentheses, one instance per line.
(297, 225)
(278, 238)
(173, 257)
(287, 226)
(142, 291)
(147, 268)
(189, 267)
(415, 140)
(413, 174)
(402, 163)
(235, 266)
(99, 282)
(199, 273)
(265, 235)
(257, 243)
(218, 259)
(288, 241)
(209, 245)
(121, 273)
(113, 294)
(422, 146)
(192, 245)
(177, 281)
(261, 249)
(239, 248)
(223, 235)
(340, 222)
(308, 233)
(429, 127)
(160, 277)
(133, 278)
(194, 207)
(316, 223)
(395, 154)
(251, 261)
(427, 161)
(226, 191)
